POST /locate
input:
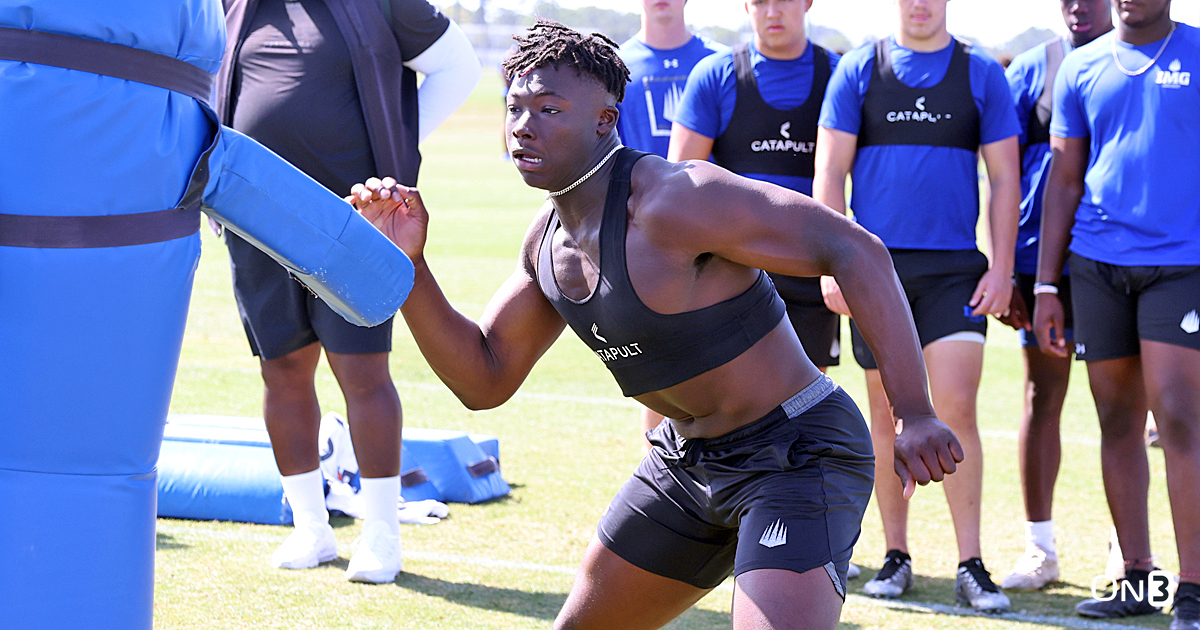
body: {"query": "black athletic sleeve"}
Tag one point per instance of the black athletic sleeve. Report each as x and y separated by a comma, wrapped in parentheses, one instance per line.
(417, 25)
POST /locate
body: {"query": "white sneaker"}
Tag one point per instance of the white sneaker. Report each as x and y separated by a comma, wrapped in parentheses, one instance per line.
(894, 579)
(852, 571)
(306, 547)
(1033, 570)
(377, 560)
(974, 587)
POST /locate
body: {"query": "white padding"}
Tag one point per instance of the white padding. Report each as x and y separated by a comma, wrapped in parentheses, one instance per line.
(966, 335)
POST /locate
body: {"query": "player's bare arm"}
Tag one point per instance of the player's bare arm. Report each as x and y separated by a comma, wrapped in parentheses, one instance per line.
(762, 226)
(688, 145)
(834, 160)
(482, 363)
(994, 291)
(1064, 189)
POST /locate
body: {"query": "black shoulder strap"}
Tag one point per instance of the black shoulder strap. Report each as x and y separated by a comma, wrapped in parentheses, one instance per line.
(742, 68)
(112, 60)
(616, 202)
(1054, 57)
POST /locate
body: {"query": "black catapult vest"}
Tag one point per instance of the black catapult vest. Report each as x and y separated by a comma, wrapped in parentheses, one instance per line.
(1037, 130)
(648, 351)
(944, 115)
(762, 139)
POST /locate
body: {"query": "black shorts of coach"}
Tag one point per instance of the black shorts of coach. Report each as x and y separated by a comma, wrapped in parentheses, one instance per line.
(281, 315)
(817, 327)
(1117, 306)
(787, 491)
(939, 285)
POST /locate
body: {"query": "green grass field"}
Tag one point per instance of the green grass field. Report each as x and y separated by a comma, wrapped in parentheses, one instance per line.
(568, 440)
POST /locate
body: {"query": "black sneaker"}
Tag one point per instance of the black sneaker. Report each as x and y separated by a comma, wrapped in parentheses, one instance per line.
(1187, 607)
(974, 586)
(1122, 604)
(894, 579)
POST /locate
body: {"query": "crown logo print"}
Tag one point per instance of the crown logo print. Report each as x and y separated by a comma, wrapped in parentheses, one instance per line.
(775, 535)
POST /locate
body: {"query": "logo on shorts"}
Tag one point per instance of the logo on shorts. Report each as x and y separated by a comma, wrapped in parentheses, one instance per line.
(1190, 323)
(775, 535)
(1080, 349)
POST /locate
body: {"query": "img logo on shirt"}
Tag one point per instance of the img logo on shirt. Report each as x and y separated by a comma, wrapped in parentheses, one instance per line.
(1173, 76)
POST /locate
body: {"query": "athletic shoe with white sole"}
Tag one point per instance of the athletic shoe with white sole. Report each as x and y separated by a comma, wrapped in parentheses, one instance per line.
(852, 571)
(1187, 607)
(974, 586)
(1033, 570)
(894, 579)
(1121, 605)
(377, 560)
(306, 547)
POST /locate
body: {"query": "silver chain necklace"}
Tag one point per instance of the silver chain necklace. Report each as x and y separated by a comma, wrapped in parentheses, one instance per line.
(585, 175)
(1134, 73)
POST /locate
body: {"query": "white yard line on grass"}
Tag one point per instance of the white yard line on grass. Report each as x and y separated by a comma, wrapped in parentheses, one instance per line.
(561, 569)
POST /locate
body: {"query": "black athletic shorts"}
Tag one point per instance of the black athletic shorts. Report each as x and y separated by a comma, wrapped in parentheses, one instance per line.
(817, 327)
(1116, 307)
(939, 285)
(1024, 284)
(787, 491)
(281, 315)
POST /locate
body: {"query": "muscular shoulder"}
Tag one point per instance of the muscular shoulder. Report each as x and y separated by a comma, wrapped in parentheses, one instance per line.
(686, 203)
(533, 238)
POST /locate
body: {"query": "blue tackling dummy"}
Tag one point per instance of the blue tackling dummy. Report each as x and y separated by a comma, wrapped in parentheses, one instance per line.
(107, 153)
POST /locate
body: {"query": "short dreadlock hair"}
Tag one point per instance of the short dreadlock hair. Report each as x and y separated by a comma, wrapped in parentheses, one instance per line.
(550, 43)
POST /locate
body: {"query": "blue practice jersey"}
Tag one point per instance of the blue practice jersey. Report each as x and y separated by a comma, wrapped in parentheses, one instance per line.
(1027, 80)
(656, 80)
(892, 182)
(711, 94)
(1141, 201)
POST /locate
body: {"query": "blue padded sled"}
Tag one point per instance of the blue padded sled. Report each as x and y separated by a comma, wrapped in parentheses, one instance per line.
(456, 465)
(222, 468)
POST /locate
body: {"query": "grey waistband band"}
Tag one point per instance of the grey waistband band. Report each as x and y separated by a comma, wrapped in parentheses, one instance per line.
(112, 60)
(119, 230)
(814, 393)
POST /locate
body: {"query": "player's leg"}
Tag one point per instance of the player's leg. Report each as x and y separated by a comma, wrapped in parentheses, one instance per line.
(895, 577)
(1172, 376)
(778, 599)
(358, 357)
(1169, 329)
(373, 410)
(1106, 337)
(610, 592)
(291, 410)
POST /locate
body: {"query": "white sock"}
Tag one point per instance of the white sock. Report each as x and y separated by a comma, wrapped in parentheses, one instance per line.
(1040, 534)
(306, 494)
(380, 497)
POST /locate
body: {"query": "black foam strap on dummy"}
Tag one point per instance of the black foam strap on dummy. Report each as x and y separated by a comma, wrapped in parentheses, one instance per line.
(112, 60)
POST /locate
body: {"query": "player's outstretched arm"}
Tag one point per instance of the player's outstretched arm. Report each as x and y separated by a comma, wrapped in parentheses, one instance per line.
(482, 363)
(772, 228)
(1064, 189)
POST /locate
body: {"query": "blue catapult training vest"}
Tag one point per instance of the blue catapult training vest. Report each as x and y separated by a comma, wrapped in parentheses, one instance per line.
(648, 351)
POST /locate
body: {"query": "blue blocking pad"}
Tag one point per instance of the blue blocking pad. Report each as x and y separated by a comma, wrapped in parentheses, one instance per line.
(85, 552)
(456, 465)
(320, 238)
(222, 468)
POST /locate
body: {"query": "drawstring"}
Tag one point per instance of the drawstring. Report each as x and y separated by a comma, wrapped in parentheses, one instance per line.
(691, 454)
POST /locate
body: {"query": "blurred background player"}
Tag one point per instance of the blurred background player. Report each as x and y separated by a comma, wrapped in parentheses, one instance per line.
(908, 115)
(1031, 78)
(659, 58)
(1123, 194)
(331, 87)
